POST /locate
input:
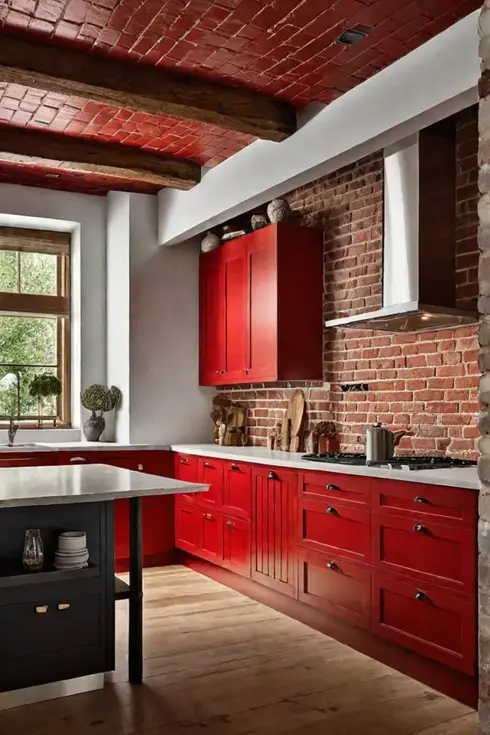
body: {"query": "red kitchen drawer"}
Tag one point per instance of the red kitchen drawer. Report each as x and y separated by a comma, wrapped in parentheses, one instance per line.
(236, 545)
(448, 505)
(437, 554)
(335, 528)
(237, 489)
(211, 546)
(187, 526)
(211, 473)
(426, 619)
(344, 488)
(341, 588)
(186, 469)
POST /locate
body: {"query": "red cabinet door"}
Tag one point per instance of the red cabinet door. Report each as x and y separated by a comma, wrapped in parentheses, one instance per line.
(237, 489)
(341, 588)
(273, 529)
(210, 472)
(335, 529)
(186, 468)
(437, 554)
(236, 313)
(187, 526)
(429, 620)
(211, 538)
(212, 338)
(236, 545)
(263, 325)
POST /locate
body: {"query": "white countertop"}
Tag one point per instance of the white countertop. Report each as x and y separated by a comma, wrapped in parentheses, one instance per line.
(464, 477)
(27, 486)
(81, 447)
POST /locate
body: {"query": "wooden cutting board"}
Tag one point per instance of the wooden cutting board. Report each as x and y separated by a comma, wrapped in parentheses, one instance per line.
(296, 410)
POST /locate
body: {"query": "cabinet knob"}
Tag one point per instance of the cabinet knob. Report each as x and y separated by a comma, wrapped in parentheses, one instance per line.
(206, 464)
(140, 468)
(419, 499)
(332, 565)
(207, 516)
(330, 509)
(422, 597)
(77, 459)
(184, 460)
(333, 487)
(419, 528)
(41, 609)
(245, 370)
(220, 372)
(230, 523)
(235, 467)
(272, 476)
(63, 606)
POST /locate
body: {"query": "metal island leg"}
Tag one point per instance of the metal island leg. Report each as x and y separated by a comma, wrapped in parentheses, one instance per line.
(135, 648)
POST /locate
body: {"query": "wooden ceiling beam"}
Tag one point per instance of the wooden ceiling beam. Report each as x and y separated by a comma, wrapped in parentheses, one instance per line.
(65, 152)
(143, 88)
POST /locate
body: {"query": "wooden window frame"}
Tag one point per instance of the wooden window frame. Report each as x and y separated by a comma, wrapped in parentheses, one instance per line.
(59, 305)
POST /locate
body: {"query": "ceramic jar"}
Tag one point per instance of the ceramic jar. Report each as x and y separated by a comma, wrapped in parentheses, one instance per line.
(279, 210)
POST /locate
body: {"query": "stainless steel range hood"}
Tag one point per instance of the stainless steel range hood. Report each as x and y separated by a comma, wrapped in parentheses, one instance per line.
(419, 270)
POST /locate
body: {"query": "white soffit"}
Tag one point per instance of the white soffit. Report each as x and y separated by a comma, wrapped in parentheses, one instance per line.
(432, 82)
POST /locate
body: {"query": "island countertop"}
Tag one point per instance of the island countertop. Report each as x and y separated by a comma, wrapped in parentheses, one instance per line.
(90, 483)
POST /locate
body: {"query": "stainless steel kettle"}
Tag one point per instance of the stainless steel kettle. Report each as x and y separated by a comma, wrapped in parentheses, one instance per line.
(381, 443)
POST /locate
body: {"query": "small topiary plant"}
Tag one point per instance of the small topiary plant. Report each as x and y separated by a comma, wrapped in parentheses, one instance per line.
(99, 398)
(42, 386)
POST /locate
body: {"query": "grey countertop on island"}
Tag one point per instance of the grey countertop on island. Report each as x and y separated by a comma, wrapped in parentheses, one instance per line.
(466, 477)
(88, 483)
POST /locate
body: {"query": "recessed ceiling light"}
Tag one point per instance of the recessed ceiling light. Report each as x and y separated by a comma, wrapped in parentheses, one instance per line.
(350, 37)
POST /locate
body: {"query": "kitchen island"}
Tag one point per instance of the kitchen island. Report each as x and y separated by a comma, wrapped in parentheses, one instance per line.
(59, 625)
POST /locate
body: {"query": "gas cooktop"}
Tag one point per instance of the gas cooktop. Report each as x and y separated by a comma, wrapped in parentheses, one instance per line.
(401, 463)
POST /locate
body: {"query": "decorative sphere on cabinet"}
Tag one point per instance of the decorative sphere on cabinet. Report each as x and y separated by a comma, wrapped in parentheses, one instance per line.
(209, 242)
(279, 210)
(258, 221)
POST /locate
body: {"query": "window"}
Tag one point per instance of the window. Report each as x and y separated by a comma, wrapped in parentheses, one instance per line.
(34, 323)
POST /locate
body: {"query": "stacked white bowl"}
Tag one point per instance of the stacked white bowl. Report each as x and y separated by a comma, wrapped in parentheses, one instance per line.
(72, 552)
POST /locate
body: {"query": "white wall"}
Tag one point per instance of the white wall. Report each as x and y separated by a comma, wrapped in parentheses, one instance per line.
(432, 82)
(167, 404)
(85, 217)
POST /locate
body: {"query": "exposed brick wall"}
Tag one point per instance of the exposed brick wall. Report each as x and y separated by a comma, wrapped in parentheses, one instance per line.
(426, 381)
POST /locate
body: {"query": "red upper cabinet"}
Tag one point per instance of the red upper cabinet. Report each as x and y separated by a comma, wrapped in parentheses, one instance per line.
(257, 294)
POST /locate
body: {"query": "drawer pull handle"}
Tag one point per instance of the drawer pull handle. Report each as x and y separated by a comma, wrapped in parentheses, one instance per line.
(419, 528)
(332, 565)
(422, 597)
(184, 460)
(63, 606)
(77, 459)
(333, 487)
(140, 468)
(41, 609)
(419, 499)
(230, 524)
(272, 476)
(235, 467)
(207, 516)
(206, 464)
(333, 511)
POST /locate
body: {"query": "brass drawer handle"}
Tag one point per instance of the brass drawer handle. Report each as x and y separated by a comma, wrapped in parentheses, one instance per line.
(63, 606)
(333, 487)
(184, 460)
(206, 464)
(330, 509)
(272, 476)
(419, 499)
(140, 468)
(419, 528)
(207, 516)
(73, 460)
(230, 523)
(332, 565)
(235, 467)
(41, 609)
(422, 597)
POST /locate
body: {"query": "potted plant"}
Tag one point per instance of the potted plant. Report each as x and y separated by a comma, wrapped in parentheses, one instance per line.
(42, 386)
(98, 398)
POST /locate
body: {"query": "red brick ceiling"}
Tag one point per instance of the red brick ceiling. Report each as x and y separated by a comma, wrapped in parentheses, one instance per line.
(284, 48)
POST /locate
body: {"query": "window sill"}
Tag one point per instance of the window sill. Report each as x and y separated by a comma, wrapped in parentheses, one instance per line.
(43, 436)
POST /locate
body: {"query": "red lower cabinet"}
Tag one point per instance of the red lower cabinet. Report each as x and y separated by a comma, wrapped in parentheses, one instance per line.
(341, 588)
(187, 526)
(236, 489)
(429, 620)
(335, 529)
(211, 542)
(236, 545)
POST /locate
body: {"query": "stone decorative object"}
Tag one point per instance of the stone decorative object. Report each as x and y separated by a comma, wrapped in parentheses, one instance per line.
(210, 242)
(102, 399)
(484, 363)
(258, 221)
(230, 423)
(279, 211)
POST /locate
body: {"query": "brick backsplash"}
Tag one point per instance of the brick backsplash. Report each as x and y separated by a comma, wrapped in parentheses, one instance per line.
(427, 382)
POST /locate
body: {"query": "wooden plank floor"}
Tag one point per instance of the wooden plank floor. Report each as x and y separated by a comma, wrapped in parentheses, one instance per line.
(220, 663)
